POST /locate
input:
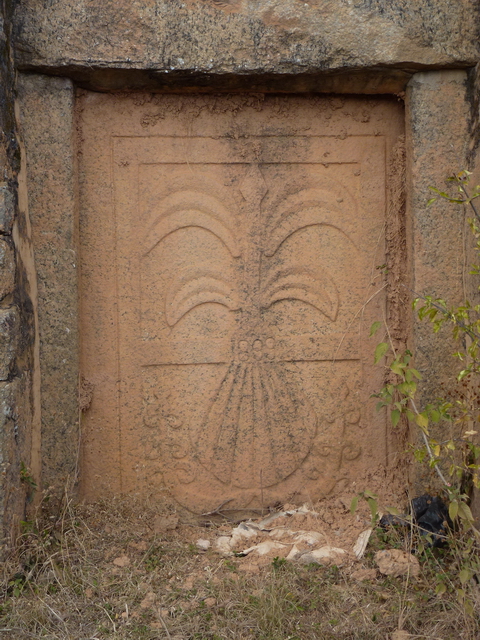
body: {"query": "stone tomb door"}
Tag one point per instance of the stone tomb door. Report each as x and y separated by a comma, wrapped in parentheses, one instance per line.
(228, 248)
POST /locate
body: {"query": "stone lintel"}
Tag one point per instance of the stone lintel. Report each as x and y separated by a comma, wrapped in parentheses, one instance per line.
(246, 37)
(105, 78)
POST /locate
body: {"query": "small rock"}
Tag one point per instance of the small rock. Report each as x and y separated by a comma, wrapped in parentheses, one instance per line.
(203, 544)
(244, 531)
(326, 556)
(148, 601)
(210, 602)
(161, 524)
(267, 547)
(395, 562)
(122, 561)
(364, 574)
(188, 583)
(140, 546)
(223, 545)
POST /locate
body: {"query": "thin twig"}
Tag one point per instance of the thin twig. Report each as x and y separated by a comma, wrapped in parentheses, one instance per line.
(58, 616)
(163, 624)
(217, 511)
(470, 202)
(430, 452)
(362, 308)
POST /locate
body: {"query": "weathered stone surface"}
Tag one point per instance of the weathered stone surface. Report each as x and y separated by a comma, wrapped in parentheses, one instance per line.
(46, 106)
(9, 480)
(221, 287)
(7, 268)
(6, 209)
(17, 396)
(437, 143)
(9, 330)
(15, 451)
(197, 42)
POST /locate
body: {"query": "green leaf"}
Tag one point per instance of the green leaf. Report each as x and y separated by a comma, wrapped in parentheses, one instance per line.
(410, 415)
(407, 388)
(453, 509)
(397, 368)
(380, 351)
(395, 416)
(469, 609)
(440, 193)
(354, 504)
(374, 328)
(440, 588)
(373, 509)
(464, 512)
(464, 576)
(431, 201)
(420, 455)
(421, 420)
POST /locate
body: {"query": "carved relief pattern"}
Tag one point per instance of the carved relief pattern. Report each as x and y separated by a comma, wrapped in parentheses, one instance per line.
(260, 427)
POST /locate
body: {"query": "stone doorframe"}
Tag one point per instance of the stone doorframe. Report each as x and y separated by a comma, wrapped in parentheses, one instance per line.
(437, 144)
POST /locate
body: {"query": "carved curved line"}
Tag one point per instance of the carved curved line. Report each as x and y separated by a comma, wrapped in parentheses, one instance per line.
(290, 284)
(327, 307)
(216, 443)
(275, 419)
(213, 217)
(191, 199)
(299, 221)
(315, 197)
(193, 282)
(197, 291)
(191, 218)
(292, 416)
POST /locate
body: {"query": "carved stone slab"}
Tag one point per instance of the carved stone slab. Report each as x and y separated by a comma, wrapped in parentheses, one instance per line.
(229, 254)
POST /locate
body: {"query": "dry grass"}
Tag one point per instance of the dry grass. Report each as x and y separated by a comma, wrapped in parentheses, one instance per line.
(61, 582)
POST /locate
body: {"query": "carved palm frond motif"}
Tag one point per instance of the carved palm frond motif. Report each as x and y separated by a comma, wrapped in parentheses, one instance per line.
(258, 418)
(193, 209)
(202, 287)
(316, 288)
